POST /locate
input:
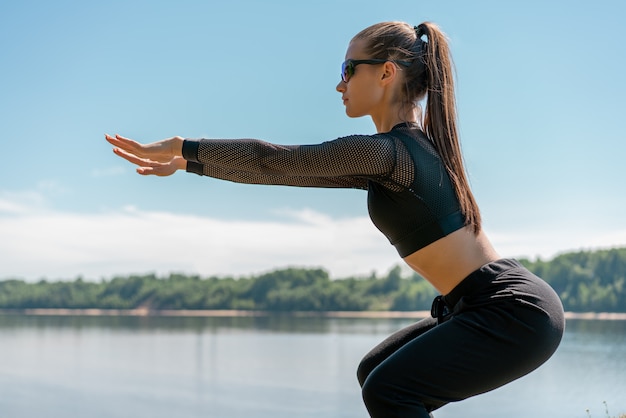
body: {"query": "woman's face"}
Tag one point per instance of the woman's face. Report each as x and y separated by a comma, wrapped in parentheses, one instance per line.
(361, 94)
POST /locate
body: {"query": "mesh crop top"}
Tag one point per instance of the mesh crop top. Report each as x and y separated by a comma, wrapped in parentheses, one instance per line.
(410, 197)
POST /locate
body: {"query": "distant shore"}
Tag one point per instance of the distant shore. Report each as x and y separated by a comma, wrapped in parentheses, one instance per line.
(616, 316)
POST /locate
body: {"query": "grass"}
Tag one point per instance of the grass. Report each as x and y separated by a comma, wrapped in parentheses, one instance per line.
(606, 411)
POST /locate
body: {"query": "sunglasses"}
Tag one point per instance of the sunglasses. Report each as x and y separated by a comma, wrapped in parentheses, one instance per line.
(348, 66)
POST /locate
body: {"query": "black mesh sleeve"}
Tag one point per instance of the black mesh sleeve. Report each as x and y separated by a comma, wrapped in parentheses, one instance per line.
(345, 162)
(348, 182)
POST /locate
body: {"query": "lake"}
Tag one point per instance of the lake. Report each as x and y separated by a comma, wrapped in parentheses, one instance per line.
(265, 367)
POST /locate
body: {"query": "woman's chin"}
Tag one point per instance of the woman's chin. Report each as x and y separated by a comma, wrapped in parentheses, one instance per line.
(352, 114)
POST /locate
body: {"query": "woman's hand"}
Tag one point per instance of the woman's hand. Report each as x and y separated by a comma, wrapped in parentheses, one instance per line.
(160, 158)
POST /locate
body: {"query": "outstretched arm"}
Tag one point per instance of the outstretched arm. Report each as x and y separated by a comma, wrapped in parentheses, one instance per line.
(345, 162)
(356, 155)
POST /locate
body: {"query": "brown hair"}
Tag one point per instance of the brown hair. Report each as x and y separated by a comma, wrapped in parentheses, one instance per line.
(430, 75)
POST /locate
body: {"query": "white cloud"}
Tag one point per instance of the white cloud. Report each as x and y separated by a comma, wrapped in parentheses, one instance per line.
(64, 245)
(547, 243)
(51, 187)
(37, 243)
(21, 202)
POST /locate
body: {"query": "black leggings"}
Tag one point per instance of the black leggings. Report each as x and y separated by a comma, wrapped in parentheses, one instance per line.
(498, 324)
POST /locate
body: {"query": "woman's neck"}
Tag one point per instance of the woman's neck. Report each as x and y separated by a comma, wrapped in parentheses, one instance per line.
(385, 121)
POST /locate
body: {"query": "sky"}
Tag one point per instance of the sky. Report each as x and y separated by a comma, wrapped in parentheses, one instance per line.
(540, 92)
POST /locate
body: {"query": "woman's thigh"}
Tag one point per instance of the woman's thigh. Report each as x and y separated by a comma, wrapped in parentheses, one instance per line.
(471, 353)
(391, 344)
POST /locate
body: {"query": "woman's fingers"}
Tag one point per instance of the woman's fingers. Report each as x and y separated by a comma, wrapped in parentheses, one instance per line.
(149, 167)
(162, 170)
(133, 158)
(133, 147)
(123, 143)
(153, 159)
(161, 151)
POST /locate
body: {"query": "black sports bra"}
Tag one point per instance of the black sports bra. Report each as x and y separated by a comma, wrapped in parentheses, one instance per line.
(410, 197)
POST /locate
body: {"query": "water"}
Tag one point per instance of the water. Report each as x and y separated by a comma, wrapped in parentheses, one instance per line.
(278, 367)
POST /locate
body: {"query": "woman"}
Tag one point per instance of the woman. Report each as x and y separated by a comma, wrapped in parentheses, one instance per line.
(495, 321)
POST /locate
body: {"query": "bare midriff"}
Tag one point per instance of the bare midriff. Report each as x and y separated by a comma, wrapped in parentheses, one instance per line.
(447, 261)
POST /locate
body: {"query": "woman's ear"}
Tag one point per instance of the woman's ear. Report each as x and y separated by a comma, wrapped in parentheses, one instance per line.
(389, 72)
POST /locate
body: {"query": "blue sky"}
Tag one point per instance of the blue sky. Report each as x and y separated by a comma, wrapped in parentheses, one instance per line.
(540, 91)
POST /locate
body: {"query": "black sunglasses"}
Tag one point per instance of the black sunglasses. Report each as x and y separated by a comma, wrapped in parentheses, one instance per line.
(348, 66)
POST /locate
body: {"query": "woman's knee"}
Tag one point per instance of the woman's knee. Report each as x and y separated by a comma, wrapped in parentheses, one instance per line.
(363, 371)
(375, 395)
(384, 398)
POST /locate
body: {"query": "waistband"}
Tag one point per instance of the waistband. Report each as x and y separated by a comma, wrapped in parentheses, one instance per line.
(443, 305)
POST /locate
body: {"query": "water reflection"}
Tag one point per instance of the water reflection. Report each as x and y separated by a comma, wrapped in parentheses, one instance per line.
(265, 323)
(271, 366)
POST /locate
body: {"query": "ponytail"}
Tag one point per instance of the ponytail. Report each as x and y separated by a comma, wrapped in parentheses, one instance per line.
(429, 75)
(440, 119)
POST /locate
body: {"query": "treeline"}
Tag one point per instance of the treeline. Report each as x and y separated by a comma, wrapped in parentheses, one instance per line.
(586, 281)
(291, 289)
